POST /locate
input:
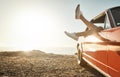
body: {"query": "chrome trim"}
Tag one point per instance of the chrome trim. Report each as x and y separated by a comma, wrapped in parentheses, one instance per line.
(100, 62)
(94, 66)
(104, 43)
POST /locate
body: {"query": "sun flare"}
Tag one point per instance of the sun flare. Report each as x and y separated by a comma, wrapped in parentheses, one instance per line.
(33, 30)
(92, 38)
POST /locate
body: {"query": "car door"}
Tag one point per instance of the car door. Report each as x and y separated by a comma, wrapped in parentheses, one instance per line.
(95, 49)
(95, 52)
(114, 52)
(114, 44)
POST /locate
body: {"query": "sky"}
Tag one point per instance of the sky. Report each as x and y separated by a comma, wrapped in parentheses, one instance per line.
(26, 24)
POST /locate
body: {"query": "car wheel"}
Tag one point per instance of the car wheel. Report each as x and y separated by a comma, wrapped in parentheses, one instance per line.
(79, 55)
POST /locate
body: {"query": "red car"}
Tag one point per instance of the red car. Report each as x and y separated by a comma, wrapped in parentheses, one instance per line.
(103, 52)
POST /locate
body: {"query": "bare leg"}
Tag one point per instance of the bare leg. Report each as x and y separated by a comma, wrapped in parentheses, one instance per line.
(76, 35)
(85, 33)
(88, 24)
(79, 15)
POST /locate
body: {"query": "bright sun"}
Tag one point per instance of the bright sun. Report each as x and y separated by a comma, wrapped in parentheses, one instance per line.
(32, 29)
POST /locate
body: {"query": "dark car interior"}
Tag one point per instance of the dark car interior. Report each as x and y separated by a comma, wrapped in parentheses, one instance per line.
(116, 15)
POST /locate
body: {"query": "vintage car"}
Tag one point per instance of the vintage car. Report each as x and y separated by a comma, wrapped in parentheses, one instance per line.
(103, 52)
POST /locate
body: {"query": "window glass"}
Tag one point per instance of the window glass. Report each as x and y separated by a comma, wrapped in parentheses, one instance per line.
(116, 15)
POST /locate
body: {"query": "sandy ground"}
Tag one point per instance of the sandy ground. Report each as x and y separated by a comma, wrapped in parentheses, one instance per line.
(40, 64)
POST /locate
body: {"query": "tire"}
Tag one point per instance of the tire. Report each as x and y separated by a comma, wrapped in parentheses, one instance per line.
(79, 55)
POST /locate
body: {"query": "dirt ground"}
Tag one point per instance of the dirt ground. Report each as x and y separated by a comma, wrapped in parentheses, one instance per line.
(40, 64)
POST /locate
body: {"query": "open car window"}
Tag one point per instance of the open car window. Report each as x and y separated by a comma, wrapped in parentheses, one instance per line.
(99, 20)
(102, 20)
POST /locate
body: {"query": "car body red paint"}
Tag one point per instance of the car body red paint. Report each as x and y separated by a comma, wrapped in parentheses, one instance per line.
(103, 54)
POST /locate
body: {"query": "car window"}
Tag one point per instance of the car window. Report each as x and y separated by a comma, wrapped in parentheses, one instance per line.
(116, 15)
(99, 20)
(105, 24)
